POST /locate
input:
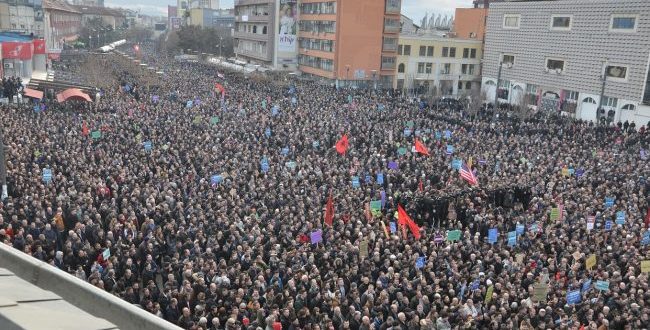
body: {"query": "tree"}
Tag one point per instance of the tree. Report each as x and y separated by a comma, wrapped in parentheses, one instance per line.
(204, 40)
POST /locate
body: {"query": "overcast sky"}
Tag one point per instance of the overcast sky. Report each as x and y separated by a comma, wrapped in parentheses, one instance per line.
(414, 9)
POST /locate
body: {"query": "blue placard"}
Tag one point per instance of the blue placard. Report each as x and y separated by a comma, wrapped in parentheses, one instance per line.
(294, 100)
(573, 297)
(147, 145)
(493, 235)
(586, 286)
(571, 171)
(407, 132)
(450, 149)
(620, 218)
(264, 164)
(393, 227)
(609, 202)
(456, 164)
(380, 178)
(520, 229)
(291, 165)
(608, 225)
(285, 151)
(216, 179)
(355, 182)
(646, 238)
(447, 134)
(419, 263)
(315, 144)
(602, 285)
(512, 238)
(438, 135)
(47, 175)
(189, 104)
(580, 172)
(475, 285)
(368, 179)
(267, 132)
(533, 227)
(275, 110)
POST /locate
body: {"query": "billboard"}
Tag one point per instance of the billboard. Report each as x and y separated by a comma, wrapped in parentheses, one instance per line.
(175, 23)
(17, 50)
(288, 26)
(39, 46)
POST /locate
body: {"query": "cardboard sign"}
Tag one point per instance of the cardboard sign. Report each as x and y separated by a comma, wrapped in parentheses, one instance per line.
(438, 238)
(355, 182)
(555, 214)
(290, 165)
(608, 225)
(363, 249)
(47, 175)
(315, 144)
(407, 132)
(447, 134)
(519, 258)
(512, 238)
(591, 220)
(96, 135)
(520, 229)
(573, 297)
(620, 218)
(591, 261)
(375, 207)
(214, 120)
(645, 266)
(586, 286)
(267, 132)
(540, 292)
(285, 151)
(216, 179)
(454, 235)
(646, 238)
(147, 145)
(106, 254)
(392, 165)
(401, 151)
(264, 164)
(456, 164)
(488, 294)
(609, 202)
(493, 235)
(602, 285)
(380, 178)
(393, 227)
(410, 124)
(316, 236)
(450, 149)
(419, 263)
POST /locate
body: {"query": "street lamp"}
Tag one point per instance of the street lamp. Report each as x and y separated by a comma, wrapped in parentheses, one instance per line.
(3, 168)
(220, 46)
(496, 90)
(374, 74)
(602, 91)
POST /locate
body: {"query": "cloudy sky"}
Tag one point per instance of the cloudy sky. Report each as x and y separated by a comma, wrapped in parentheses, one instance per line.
(414, 9)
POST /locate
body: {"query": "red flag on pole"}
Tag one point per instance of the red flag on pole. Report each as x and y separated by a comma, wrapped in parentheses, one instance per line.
(404, 219)
(84, 129)
(647, 219)
(420, 148)
(421, 186)
(329, 211)
(342, 145)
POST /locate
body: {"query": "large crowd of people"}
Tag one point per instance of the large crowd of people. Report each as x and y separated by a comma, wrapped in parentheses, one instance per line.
(208, 210)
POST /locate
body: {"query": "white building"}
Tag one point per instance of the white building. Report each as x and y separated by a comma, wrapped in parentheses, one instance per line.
(558, 56)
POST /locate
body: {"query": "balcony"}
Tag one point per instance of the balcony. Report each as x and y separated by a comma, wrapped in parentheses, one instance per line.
(391, 29)
(251, 36)
(263, 55)
(250, 2)
(252, 18)
(393, 6)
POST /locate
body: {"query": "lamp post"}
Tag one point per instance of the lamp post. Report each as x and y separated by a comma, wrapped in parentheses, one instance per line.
(220, 45)
(347, 74)
(496, 90)
(374, 81)
(602, 91)
(3, 168)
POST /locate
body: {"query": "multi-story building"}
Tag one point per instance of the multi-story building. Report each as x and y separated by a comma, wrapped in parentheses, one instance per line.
(587, 58)
(207, 4)
(255, 32)
(24, 17)
(212, 18)
(351, 43)
(432, 63)
(108, 16)
(62, 22)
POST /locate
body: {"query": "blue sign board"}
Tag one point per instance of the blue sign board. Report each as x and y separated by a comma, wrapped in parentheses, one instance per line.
(216, 179)
(573, 297)
(512, 238)
(419, 263)
(586, 286)
(47, 175)
(520, 229)
(456, 164)
(380, 178)
(355, 182)
(264, 165)
(147, 145)
(602, 285)
(450, 149)
(493, 235)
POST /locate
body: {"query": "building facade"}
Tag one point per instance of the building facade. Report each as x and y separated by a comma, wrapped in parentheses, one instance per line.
(212, 18)
(255, 30)
(434, 64)
(587, 58)
(62, 22)
(351, 43)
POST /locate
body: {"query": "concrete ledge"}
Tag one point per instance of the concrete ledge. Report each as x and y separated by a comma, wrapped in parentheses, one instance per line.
(81, 294)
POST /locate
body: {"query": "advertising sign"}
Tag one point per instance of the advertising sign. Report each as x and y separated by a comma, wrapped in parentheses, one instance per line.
(288, 27)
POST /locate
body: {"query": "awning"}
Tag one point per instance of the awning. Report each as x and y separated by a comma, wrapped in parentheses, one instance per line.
(35, 94)
(72, 93)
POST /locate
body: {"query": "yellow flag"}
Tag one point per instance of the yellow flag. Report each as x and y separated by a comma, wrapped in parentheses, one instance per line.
(470, 161)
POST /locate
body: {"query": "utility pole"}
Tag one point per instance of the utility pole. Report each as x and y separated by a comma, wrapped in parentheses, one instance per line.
(602, 93)
(3, 168)
(496, 90)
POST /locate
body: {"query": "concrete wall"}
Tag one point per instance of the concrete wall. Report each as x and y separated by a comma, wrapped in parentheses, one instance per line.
(468, 21)
(79, 293)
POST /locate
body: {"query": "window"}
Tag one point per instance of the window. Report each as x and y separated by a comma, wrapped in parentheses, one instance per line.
(472, 53)
(628, 107)
(429, 68)
(468, 85)
(423, 51)
(400, 68)
(430, 51)
(445, 51)
(508, 59)
(463, 68)
(387, 63)
(465, 52)
(446, 68)
(254, 28)
(616, 72)
(452, 52)
(264, 30)
(561, 22)
(390, 44)
(623, 23)
(610, 101)
(511, 21)
(460, 85)
(399, 49)
(420, 67)
(407, 50)
(571, 95)
(589, 100)
(472, 34)
(553, 64)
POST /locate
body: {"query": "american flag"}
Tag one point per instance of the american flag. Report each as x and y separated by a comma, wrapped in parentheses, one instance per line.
(467, 175)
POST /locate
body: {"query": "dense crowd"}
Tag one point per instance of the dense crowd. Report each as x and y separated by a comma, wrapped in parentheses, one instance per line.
(165, 203)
